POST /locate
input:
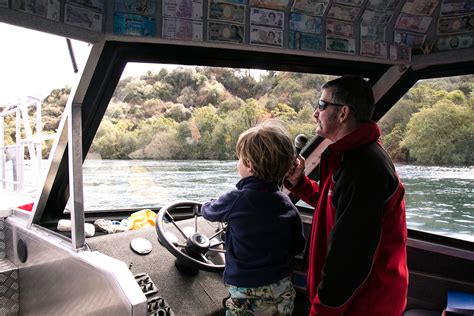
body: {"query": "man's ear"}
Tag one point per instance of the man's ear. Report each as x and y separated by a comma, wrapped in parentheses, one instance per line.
(344, 114)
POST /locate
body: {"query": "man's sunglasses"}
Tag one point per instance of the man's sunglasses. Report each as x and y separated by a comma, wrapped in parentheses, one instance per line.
(322, 105)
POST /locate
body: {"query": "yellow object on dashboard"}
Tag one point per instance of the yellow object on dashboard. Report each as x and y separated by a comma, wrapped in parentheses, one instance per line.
(141, 219)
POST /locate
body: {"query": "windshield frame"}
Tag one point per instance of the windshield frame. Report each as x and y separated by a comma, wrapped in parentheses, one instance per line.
(109, 58)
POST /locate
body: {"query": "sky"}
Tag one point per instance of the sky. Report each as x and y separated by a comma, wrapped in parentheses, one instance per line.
(34, 63)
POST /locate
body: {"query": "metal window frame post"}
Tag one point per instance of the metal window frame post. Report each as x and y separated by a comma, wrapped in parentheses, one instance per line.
(76, 176)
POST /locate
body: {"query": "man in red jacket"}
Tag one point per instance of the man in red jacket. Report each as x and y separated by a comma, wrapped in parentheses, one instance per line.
(357, 248)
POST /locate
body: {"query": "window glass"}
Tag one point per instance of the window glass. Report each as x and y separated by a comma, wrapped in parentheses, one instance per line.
(430, 135)
(171, 131)
(36, 75)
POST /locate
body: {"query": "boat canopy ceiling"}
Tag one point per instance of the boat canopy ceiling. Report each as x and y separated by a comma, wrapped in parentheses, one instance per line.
(377, 31)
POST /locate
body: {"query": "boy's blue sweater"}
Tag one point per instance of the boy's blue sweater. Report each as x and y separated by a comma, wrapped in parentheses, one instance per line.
(264, 231)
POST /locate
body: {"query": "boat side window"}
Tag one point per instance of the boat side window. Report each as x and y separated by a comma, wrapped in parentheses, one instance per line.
(171, 131)
(37, 76)
(429, 135)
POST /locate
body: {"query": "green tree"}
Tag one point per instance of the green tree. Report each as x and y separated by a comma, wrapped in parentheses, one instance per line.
(164, 145)
(164, 91)
(230, 104)
(153, 107)
(224, 138)
(188, 140)
(304, 123)
(136, 91)
(425, 94)
(284, 112)
(146, 130)
(399, 114)
(443, 134)
(251, 114)
(178, 113)
(392, 143)
(116, 111)
(206, 119)
(457, 96)
(53, 108)
(179, 79)
(113, 141)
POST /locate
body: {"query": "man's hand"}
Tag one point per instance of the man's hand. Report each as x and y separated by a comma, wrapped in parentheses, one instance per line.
(296, 172)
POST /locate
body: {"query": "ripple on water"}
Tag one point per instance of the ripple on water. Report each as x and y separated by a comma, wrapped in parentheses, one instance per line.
(438, 199)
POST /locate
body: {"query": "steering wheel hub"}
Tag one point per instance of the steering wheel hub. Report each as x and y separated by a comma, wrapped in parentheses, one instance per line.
(198, 241)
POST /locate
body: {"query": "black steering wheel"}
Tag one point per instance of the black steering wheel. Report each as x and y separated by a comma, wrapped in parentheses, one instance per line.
(194, 248)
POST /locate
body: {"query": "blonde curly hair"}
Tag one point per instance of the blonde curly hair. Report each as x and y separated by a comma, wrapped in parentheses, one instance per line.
(268, 149)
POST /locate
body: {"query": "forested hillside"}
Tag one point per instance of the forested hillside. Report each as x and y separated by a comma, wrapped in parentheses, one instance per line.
(433, 124)
(198, 113)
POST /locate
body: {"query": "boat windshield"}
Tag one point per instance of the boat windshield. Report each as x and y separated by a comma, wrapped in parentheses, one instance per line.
(172, 130)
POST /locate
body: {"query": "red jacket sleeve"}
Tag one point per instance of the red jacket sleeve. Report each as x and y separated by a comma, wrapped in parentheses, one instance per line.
(306, 190)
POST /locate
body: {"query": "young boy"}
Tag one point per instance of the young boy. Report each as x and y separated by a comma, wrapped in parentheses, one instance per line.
(264, 228)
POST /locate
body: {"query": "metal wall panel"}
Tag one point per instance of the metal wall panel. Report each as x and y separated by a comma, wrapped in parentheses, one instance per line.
(9, 294)
(54, 280)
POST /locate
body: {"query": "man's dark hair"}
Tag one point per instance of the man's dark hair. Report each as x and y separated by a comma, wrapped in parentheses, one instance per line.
(354, 92)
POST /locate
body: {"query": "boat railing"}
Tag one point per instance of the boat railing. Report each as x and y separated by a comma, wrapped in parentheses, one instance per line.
(28, 135)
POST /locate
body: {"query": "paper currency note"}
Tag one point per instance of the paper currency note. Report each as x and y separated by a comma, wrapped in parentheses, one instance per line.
(224, 32)
(265, 17)
(454, 7)
(341, 12)
(376, 17)
(46, 8)
(373, 49)
(420, 7)
(270, 4)
(340, 45)
(97, 5)
(340, 28)
(374, 32)
(455, 42)
(266, 36)
(224, 11)
(400, 53)
(134, 24)
(4, 3)
(186, 9)
(84, 18)
(456, 24)
(147, 7)
(311, 7)
(413, 23)
(409, 39)
(305, 23)
(383, 5)
(305, 41)
(182, 29)
(356, 3)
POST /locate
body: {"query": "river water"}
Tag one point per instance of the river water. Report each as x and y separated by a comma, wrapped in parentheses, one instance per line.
(438, 199)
